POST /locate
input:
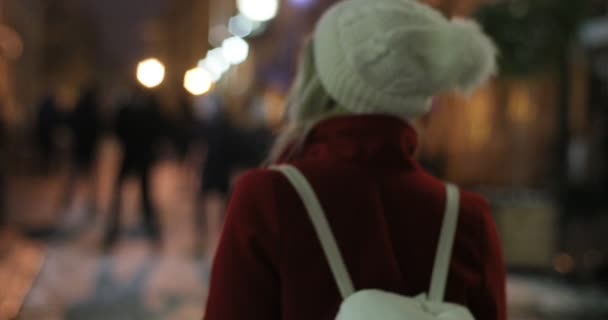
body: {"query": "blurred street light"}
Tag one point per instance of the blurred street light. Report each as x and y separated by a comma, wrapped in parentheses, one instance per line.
(198, 81)
(217, 34)
(235, 49)
(150, 73)
(258, 10)
(214, 70)
(240, 26)
(216, 63)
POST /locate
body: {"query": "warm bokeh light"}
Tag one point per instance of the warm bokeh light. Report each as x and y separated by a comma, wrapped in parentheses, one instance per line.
(198, 81)
(11, 43)
(150, 73)
(235, 49)
(563, 263)
(259, 10)
(520, 106)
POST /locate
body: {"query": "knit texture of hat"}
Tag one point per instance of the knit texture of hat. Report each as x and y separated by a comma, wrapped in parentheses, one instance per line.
(393, 56)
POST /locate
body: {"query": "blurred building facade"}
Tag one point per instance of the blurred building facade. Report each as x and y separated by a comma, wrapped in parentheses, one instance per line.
(60, 48)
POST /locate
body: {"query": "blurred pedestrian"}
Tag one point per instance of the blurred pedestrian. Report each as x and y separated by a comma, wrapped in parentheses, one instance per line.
(3, 172)
(222, 145)
(47, 122)
(231, 147)
(86, 129)
(86, 126)
(182, 128)
(371, 68)
(138, 127)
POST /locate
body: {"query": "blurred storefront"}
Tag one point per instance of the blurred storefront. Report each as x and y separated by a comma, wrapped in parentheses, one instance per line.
(534, 140)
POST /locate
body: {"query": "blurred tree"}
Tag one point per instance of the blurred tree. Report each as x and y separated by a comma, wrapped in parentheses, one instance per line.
(532, 34)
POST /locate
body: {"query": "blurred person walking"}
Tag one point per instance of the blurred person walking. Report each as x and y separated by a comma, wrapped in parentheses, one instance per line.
(182, 128)
(138, 127)
(86, 130)
(48, 121)
(370, 70)
(4, 163)
(233, 144)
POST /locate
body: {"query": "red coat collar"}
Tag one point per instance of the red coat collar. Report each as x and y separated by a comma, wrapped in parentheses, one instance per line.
(377, 140)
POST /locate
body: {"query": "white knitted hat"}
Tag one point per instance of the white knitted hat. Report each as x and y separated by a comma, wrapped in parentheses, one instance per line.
(392, 56)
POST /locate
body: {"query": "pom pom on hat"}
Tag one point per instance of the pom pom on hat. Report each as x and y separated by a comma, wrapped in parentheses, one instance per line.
(393, 56)
(471, 56)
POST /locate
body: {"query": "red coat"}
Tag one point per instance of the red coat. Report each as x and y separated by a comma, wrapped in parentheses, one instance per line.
(385, 211)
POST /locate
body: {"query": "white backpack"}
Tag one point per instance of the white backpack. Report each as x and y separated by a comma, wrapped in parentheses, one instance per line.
(377, 304)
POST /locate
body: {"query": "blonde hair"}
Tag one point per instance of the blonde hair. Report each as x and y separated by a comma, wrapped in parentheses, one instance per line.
(307, 103)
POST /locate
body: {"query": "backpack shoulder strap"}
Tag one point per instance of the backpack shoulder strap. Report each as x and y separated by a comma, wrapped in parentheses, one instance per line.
(322, 228)
(446, 242)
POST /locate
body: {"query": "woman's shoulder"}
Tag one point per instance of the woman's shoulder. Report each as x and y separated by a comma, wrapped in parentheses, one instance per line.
(255, 178)
(260, 183)
(475, 211)
(269, 184)
(472, 203)
(253, 204)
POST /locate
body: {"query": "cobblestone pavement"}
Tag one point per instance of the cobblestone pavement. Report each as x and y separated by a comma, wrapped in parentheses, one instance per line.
(134, 280)
(132, 283)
